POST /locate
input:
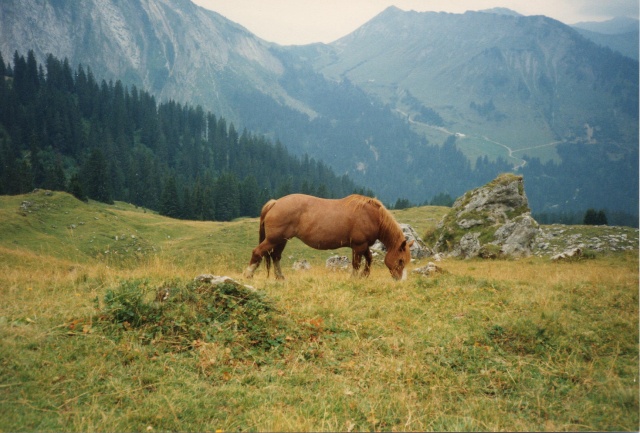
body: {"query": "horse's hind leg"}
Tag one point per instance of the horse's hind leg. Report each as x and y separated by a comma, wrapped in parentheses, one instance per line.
(256, 258)
(276, 255)
(265, 247)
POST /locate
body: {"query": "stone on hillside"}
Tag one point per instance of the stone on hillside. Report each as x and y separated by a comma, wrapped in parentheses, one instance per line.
(429, 269)
(337, 263)
(490, 221)
(216, 280)
(574, 253)
(301, 265)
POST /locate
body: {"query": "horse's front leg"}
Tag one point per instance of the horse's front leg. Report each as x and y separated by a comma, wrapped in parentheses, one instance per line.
(368, 257)
(356, 257)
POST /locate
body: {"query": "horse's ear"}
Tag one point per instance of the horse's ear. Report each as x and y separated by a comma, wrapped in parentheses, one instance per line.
(405, 245)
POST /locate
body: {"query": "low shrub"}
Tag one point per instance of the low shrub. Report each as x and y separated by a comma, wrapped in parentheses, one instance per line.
(196, 312)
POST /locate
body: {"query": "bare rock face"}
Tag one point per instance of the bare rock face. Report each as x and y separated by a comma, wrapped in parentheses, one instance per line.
(490, 221)
(173, 49)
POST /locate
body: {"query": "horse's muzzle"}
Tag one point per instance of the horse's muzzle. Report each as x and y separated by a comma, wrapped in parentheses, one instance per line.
(402, 277)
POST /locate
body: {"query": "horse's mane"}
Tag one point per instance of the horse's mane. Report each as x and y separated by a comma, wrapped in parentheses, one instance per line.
(389, 227)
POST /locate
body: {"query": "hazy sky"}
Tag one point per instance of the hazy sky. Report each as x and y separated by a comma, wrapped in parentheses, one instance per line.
(297, 22)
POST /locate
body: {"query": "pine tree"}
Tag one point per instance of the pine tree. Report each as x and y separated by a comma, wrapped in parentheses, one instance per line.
(250, 197)
(590, 217)
(188, 208)
(95, 178)
(322, 191)
(75, 188)
(227, 197)
(170, 201)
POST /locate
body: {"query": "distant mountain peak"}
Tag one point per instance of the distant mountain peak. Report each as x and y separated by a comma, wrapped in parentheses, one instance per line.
(501, 11)
(615, 26)
(392, 9)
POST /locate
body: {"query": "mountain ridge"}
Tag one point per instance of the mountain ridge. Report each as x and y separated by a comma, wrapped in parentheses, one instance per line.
(530, 58)
(614, 26)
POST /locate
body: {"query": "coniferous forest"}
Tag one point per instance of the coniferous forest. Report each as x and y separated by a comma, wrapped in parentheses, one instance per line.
(64, 130)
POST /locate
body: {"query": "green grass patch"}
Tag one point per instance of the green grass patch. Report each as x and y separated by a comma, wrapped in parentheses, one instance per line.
(86, 344)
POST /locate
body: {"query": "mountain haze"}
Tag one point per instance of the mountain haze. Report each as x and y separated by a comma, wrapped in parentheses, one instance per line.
(615, 26)
(619, 34)
(504, 82)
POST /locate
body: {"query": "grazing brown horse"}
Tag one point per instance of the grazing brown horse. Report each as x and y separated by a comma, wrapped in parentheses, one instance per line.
(354, 221)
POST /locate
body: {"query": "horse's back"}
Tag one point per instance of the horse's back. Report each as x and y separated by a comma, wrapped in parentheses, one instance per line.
(321, 223)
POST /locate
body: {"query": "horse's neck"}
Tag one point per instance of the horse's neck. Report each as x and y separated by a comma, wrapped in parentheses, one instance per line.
(390, 235)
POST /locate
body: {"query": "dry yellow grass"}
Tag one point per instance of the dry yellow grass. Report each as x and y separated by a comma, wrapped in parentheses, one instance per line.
(491, 345)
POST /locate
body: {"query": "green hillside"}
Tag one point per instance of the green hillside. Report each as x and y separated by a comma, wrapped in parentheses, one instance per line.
(485, 345)
(56, 224)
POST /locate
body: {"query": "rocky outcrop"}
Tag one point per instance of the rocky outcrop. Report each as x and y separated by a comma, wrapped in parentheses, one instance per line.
(556, 239)
(489, 222)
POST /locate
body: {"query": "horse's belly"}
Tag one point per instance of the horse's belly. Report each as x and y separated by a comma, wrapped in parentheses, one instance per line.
(324, 244)
(326, 237)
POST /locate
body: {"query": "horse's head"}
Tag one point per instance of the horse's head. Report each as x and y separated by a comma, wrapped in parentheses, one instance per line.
(397, 258)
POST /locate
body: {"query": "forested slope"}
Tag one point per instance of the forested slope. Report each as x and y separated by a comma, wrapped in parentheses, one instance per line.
(65, 130)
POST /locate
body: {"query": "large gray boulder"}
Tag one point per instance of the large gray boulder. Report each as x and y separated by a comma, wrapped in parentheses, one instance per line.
(490, 221)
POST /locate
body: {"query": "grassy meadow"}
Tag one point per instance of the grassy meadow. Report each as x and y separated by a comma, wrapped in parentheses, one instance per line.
(519, 345)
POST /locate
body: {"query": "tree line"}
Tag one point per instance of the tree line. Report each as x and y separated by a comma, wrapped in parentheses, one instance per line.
(64, 130)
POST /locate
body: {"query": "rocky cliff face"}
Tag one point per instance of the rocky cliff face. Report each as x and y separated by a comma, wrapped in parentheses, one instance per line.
(172, 48)
(490, 221)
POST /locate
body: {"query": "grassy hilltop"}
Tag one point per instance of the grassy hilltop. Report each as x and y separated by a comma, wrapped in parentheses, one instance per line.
(488, 345)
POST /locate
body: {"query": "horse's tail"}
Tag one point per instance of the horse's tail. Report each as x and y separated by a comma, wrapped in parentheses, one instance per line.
(262, 235)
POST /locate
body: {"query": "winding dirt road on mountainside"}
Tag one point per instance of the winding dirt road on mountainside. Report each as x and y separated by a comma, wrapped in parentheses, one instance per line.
(519, 161)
